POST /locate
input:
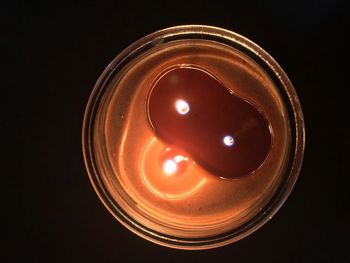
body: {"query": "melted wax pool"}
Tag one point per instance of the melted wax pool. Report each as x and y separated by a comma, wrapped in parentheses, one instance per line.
(191, 110)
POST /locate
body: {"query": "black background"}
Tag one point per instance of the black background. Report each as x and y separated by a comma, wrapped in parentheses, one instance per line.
(53, 52)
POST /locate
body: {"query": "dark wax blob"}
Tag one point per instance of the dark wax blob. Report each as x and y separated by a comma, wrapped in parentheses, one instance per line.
(193, 111)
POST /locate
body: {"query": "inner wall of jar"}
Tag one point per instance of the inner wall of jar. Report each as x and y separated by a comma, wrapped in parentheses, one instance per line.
(219, 205)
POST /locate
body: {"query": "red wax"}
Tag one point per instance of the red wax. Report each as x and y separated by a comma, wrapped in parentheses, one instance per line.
(191, 110)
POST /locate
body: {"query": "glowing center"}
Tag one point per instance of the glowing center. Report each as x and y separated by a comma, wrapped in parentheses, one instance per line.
(182, 107)
(228, 140)
(169, 167)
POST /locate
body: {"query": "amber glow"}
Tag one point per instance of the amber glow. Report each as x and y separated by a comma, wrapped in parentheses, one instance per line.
(181, 195)
(198, 201)
(166, 180)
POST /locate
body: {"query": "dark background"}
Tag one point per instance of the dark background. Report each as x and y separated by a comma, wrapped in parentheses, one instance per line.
(51, 55)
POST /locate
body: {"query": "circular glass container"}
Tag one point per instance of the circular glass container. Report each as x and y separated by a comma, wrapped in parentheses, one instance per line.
(203, 211)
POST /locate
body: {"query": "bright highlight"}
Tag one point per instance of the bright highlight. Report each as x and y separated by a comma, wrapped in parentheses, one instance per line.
(169, 167)
(182, 107)
(228, 140)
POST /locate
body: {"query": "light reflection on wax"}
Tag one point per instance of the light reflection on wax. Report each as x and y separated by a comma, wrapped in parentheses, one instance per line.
(161, 178)
(182, 107)
(169, 167)
(228, 140)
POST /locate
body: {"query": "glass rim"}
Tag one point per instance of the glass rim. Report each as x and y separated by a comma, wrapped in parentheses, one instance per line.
(282, 83)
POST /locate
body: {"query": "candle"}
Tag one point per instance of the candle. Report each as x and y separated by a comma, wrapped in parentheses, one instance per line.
(220, 112)
(193, 137)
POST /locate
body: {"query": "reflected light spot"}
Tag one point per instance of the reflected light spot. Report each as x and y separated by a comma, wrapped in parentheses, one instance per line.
(228, 140)
(180, 158)
(169, 167)
(182, 107)
(168, 187)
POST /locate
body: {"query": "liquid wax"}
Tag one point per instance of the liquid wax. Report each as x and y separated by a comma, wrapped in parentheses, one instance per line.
(190, 109)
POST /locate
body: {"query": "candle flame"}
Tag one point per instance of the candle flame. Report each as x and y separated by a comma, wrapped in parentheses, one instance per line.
(168, 187)
(169, 167)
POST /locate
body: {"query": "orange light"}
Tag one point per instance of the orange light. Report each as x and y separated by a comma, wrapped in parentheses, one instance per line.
(176, 177)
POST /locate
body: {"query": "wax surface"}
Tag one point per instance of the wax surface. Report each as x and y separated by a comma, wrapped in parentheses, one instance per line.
(191, 110)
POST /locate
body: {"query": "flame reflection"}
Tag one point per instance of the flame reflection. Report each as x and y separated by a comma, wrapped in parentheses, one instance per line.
(157, 180)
